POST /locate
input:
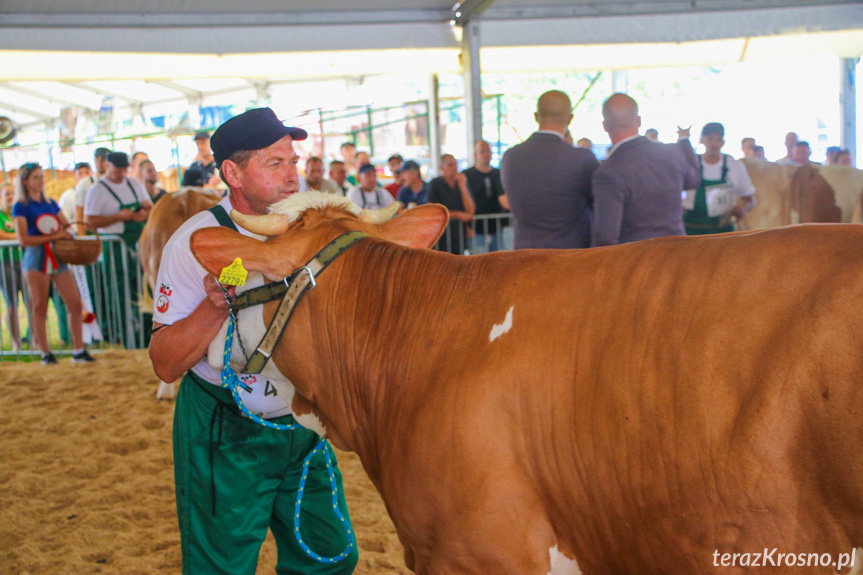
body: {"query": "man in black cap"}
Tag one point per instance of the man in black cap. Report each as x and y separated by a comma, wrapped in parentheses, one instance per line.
(367, 194)
(725, 189)
(119, 205)
(414, 190)
(231, 490)
(204, 160)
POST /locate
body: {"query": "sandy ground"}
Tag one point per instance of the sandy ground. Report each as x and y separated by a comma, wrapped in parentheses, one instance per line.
(86, 476)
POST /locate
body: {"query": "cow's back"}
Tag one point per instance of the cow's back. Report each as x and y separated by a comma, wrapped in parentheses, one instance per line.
(704, 390)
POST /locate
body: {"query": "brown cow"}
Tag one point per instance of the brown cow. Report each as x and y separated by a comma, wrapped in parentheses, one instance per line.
(828, 193)
(165, 218)
(636, 409)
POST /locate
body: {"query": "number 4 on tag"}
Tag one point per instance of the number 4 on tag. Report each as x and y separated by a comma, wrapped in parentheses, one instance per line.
(235, 274)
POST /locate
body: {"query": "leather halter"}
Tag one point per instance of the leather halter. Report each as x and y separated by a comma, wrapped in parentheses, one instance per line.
(290, 289)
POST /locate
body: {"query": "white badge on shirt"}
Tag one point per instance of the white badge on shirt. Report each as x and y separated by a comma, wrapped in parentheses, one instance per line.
(720, 199)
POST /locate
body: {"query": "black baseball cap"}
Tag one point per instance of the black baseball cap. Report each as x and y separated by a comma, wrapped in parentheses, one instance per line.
(193, 177)
(252, 130)
(202, 136)
(409, 165)
(101, 153)
(366, 168)
(713, 128)
(118, 159)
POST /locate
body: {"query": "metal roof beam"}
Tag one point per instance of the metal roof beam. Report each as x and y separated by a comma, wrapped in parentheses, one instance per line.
(101, 92)
(230, 20)
(643, 8)
(43, 96)
(464, 11)
(20, 110)
(190, 92)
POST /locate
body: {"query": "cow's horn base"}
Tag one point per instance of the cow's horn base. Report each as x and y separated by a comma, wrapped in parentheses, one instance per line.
(269, 225)
(380, 215)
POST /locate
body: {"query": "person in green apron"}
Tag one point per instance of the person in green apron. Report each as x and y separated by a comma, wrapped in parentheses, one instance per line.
(726, 190)
(119, 205)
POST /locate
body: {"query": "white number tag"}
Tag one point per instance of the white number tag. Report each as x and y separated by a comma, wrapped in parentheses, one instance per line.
(720, 199)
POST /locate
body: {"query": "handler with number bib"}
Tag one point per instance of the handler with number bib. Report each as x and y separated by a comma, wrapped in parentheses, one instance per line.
(725, 189)
(118, 205)
(234, 477)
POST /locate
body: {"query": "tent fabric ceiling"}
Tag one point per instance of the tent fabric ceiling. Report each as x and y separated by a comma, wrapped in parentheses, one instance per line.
(59, 53)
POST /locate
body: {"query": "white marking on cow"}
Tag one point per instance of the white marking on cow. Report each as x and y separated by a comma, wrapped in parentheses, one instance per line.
(561, 564)
(295, 204)
(499, 329)
(857, 557)
(312, 422)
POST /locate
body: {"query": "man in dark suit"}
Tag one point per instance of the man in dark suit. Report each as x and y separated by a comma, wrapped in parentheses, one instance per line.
(547, 182)
(637, 189)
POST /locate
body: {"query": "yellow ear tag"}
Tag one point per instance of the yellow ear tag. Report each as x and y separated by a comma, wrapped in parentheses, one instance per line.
(235, 274)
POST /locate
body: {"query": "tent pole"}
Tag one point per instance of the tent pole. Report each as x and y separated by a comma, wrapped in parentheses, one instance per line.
(848, 103)
(472, 85)
(433, 123)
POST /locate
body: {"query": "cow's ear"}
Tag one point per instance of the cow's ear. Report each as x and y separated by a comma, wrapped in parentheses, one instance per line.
(420, 227)
(217, 248)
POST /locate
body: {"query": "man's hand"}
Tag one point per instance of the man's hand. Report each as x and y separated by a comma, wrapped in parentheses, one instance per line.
(214, 293)
(683, 133)
(461, 216)
(61, 235)
(125, 215)
(461, 179)
(139, 216)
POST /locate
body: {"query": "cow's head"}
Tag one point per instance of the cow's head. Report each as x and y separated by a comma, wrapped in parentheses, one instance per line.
(295, 230)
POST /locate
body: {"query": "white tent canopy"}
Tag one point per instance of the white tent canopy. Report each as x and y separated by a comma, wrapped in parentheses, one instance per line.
(62, 53)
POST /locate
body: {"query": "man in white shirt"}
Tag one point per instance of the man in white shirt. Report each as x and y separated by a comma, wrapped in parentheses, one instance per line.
(116, 204)
(368, 194)
(315, 181)
(100, 162)
(234, 484)
(67, 200)
(725, 190)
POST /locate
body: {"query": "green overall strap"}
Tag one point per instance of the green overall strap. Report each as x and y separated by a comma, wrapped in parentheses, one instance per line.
(222, 217)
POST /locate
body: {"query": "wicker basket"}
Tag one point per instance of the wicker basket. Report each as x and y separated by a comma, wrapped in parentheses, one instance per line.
(79, 252)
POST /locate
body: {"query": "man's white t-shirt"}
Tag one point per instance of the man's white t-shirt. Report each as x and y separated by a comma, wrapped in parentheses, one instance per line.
(737, 175)
(377, 198)
(100, 202)
(81, 188)
(180, 290)
(67, 204)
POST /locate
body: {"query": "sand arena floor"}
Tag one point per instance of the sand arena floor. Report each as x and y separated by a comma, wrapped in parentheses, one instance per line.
(86, 476)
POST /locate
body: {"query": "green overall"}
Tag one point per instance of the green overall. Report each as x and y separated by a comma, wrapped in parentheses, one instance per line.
(235, 478)
(115, 296)
(696, 221)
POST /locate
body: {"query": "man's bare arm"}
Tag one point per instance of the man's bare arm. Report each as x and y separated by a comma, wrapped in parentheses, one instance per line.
(176, 348)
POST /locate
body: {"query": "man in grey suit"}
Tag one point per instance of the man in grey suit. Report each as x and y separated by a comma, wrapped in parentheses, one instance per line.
(637, 189)
(548, 182)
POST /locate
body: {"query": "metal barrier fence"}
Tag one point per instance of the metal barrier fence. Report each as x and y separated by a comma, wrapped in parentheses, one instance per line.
(486, 233)
(109, 292)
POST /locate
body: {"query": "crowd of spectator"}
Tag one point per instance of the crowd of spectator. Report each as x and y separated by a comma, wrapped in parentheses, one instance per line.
(558, 192)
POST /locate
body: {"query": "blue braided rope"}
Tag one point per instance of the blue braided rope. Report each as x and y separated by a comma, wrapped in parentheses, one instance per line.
(231, 382)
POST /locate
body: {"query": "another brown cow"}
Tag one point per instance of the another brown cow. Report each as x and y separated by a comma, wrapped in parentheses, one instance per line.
(637, 409)
(165, 218)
